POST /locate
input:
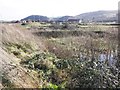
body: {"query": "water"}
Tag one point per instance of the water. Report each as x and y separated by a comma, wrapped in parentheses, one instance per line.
(111, 58)
(102, 58)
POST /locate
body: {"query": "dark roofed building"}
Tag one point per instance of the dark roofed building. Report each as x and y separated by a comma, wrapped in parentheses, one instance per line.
(74, 20)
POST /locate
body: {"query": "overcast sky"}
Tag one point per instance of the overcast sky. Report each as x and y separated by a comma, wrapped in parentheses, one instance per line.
(18, 9)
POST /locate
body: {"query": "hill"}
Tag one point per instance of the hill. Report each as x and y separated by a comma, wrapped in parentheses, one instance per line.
(36, 18)
(96, 16)
(63, 18)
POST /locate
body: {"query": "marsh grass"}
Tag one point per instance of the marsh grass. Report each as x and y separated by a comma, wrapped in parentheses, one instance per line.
(78, 58)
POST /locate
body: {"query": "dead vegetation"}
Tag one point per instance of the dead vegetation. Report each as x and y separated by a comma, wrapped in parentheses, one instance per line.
(17, 41)
(57, 58)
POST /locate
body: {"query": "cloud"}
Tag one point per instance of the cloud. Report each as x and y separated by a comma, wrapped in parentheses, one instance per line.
(17, 9)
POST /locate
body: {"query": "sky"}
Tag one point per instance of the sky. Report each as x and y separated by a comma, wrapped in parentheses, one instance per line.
(18, 9)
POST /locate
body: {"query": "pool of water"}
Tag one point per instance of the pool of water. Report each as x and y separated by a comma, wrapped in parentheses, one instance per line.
(102, 57)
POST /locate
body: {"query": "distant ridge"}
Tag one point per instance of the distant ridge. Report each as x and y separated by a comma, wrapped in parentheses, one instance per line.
(96, 16)
(99, 16)
(63, 18)
(36, 18)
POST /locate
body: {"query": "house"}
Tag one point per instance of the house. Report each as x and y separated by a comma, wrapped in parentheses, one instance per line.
(74, 21)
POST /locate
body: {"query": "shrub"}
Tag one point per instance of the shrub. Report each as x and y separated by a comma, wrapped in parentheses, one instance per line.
(93, 74)
(61, 64)
(6, 82)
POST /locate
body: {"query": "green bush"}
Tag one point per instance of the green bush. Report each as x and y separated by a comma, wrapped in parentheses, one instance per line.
(6, 82)
(61, 64)
(93, 74)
